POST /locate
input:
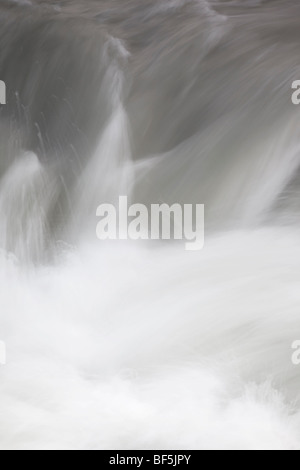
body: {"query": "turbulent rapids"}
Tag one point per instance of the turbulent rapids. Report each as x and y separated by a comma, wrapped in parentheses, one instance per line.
(142, 345)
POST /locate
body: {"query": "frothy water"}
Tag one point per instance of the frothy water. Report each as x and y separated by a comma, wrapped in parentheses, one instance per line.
(143, 345)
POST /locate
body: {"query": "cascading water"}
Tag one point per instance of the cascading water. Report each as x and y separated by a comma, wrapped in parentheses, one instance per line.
(144, 345)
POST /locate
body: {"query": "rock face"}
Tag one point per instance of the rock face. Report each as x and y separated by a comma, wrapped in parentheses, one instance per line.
(202, 91)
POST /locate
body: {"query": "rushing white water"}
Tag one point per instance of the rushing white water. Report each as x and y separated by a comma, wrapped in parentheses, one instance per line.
(143, 345)
(131, 348)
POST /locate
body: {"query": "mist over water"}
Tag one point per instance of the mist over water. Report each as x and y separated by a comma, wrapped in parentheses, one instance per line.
(144, 345)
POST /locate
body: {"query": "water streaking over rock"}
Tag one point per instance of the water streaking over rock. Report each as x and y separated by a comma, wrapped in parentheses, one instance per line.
(142, 345)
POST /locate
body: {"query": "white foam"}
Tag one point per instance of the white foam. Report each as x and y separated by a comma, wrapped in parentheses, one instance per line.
(126, 347)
